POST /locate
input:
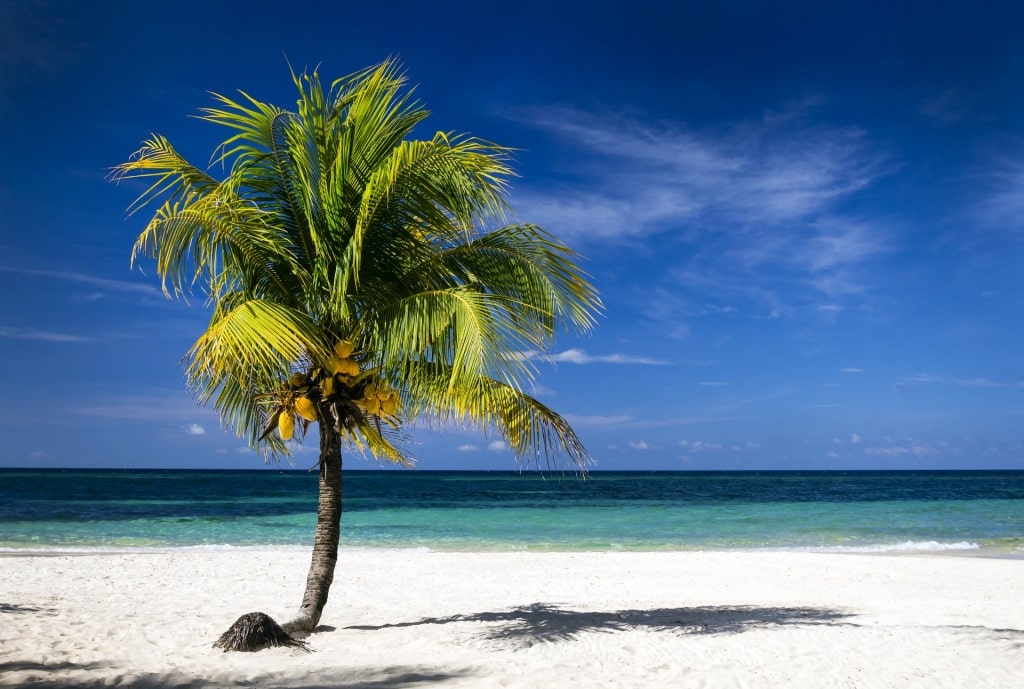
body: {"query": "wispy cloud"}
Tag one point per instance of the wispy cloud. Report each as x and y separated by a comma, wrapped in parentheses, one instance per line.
(980, 382)
(671, 421)
(41, 335)
(121, 286)
(921, 378)
(948, 107)
(700, 446)
(537, 390)
(1000, 210)
(579, 356)
(194, 429)
(670, 310)
(584, 420)
(754, 195)
(777, 170)
(909, 448)
(156, 407)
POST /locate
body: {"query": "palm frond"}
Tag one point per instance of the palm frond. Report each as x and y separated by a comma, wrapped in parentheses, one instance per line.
(330, 222)
(174, 177)
(533, 431)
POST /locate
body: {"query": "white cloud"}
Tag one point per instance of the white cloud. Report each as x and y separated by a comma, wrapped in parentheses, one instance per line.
(467, 447)
(828, 253)
(39, 335)
(639, 445)
(700, 446)
(583, 420)
(578, 356)
(851, 370)
(854, 439)
(194, 429)
(978, 383)
(777, 170)
(81, 278)
(909, 448)
(1001, 208)
(634, 423)
(669, 309)
(496, 446)
(922, 378)
(928, 378)
(157, 406)
(946, 108)
(746, 196)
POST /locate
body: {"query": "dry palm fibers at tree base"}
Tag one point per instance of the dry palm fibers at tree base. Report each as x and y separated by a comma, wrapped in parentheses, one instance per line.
(255, 631)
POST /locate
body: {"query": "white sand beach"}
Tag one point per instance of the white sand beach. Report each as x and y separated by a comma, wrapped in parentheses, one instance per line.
(436, 619)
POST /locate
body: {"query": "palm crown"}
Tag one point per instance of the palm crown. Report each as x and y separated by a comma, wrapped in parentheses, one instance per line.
(331, 228)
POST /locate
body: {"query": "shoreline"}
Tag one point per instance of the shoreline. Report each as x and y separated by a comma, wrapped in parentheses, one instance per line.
(924, 548)
(520, 619)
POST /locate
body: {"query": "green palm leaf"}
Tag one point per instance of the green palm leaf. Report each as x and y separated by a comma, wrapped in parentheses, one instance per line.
(332, 222)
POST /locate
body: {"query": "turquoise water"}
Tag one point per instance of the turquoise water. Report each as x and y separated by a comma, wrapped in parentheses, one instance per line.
(856, 511)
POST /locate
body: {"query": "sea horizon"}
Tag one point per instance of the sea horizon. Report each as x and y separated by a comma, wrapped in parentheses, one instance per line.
(958, 511)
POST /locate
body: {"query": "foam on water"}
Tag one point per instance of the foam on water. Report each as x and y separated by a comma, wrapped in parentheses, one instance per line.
(905, 546)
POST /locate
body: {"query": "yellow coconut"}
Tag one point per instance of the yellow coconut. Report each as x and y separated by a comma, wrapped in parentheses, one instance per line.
(286, 424)
(306, 409)
(343, 349)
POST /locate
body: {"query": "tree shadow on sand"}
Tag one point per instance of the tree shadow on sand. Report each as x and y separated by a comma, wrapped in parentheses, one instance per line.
(33, 666)
(97, 676)
(541, 622)
(12, 608)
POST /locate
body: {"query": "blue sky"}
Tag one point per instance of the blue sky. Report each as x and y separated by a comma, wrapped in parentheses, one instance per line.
(805, 218)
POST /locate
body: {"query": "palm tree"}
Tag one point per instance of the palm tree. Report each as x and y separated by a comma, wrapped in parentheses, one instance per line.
(354, 283)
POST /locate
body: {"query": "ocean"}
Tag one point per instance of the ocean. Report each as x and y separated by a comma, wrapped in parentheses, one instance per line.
(970, 512)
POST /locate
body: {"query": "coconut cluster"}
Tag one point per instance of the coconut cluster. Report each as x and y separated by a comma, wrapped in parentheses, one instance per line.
(340, 379)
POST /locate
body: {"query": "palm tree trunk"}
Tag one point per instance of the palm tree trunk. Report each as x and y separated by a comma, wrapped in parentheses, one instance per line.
(328, 532)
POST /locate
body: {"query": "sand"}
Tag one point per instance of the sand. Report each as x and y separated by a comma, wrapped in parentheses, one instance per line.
(401, 619)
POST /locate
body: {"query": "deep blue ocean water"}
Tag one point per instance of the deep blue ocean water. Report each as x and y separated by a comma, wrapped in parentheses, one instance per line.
(61, 510)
